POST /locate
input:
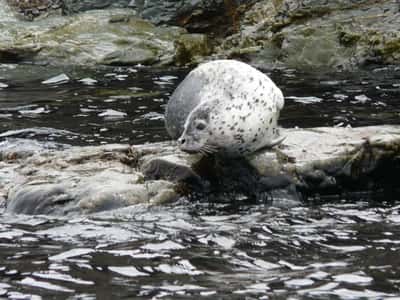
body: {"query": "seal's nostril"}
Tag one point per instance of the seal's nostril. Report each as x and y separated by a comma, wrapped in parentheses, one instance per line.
(182, 141)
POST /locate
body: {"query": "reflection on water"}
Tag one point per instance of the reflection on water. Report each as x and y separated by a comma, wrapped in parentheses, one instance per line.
(195, 249)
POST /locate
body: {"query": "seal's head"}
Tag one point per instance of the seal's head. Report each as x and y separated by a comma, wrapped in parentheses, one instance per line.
(197, 134)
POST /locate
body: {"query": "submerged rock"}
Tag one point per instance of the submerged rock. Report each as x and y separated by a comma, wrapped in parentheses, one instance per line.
(310, 162)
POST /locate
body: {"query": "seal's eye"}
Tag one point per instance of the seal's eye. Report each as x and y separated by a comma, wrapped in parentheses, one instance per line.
(201, 125)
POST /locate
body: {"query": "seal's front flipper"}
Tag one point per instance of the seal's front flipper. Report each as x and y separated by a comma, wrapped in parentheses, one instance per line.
(271, 144)
(276, 141)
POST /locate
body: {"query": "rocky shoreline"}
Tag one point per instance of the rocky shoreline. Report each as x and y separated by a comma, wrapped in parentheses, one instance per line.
(45, 178)
(53, 179)
(291, 33)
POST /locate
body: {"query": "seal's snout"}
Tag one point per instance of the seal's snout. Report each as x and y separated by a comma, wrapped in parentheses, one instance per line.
(185, 145)
(181, 141)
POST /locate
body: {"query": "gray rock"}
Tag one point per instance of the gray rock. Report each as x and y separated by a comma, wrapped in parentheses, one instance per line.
(110, 37)
(318, 34)
(302, 34)
(35, 9)
(76, 180)
(197, 16)
(75, 6)
(309, 163)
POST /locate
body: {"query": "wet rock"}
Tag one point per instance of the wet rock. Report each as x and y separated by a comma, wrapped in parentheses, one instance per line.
(75, 6)
(35, 9)
(76, 180)
(192, 48)
(217, 16)
(302, 34)
(309, 163)
(196, 16)
(110, 37)
(318, 35)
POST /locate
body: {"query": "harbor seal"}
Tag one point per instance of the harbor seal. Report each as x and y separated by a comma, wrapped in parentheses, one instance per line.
(225, 106)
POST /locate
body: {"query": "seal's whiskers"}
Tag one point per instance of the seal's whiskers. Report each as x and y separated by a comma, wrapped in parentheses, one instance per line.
(209, 148)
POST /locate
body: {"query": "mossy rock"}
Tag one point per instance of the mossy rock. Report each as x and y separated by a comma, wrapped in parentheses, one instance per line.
(191, 47)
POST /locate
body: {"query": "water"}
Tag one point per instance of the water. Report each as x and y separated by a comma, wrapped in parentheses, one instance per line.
(346, 249)
(126, 105)
(194, 251)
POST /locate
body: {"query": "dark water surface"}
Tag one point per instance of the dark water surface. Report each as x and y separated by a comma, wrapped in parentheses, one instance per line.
(348, 249)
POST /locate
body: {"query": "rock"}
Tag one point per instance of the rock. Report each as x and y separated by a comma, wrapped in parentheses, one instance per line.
(110, 37)
(35, 9)
(301, 34)
(75, 6)
(202, 16)
(75, 179)
(197, 16)
(310, 163)
(191, 48)
(313, 35)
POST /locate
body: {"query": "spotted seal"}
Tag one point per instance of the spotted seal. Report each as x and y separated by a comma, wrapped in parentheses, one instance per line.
(225, 106)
